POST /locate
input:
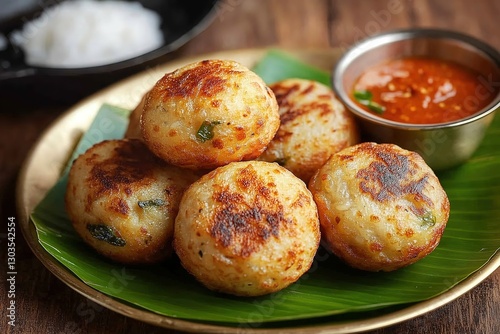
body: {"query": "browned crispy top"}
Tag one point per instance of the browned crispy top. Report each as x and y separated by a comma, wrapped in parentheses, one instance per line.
(391, 175)
(130, 163)
(206, 78)
(248, 216)
(289, 99)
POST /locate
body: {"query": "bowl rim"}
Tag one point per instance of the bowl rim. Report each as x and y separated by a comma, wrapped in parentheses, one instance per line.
(388, 37)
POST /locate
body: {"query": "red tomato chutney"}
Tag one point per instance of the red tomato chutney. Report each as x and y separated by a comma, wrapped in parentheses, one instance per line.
(421, 90)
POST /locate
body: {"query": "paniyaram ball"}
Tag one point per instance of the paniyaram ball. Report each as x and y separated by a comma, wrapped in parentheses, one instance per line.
(134, 125)
(381, 207)
(314, 125)
(208, 114)
(122, 200)
(247, 229)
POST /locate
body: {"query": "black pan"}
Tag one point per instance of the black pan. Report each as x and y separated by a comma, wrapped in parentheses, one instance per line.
(181, 21)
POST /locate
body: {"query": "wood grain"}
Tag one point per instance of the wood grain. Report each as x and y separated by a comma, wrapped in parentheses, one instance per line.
(46, 305)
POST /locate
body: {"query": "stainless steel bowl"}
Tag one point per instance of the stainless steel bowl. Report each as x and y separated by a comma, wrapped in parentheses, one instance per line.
(441, 145)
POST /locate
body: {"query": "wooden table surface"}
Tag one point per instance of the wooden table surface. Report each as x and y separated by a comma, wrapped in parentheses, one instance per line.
(46, 305)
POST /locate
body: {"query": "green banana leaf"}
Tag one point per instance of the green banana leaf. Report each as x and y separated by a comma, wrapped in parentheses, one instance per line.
(330, 288)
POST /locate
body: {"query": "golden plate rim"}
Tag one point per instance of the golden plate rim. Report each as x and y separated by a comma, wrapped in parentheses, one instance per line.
(33, 182)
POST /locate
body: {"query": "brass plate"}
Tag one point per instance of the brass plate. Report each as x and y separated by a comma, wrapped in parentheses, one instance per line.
(49, 155)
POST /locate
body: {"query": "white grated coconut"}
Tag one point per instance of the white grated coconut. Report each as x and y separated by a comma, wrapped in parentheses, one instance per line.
(86, 33)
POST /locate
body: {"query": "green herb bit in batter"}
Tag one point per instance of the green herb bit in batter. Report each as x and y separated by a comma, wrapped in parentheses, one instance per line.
(206, 131)
(151, 202)
(105, 233)
(428, 219)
